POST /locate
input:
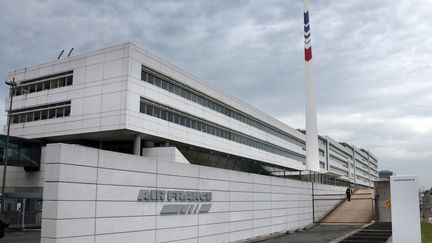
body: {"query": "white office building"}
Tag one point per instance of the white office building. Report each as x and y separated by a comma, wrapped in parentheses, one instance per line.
(119, 121)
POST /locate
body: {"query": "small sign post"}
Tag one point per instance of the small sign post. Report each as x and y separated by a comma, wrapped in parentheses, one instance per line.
(405, 209)
(388, 203)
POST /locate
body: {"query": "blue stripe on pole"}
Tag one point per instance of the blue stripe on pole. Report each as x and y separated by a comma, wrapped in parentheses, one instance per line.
(306, 17)
(307, 36)
(306, 28)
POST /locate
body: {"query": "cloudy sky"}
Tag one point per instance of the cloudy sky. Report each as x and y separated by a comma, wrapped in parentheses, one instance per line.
(373, 59)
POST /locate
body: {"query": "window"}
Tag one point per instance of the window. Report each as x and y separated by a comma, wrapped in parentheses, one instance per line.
(41, 112)
(60, 112)
(46, 85)
(37, 115)
(39, 87)
(157, 82)
(54, 83)
(67, 110)
(29, 117)
(62, 82)
(22, 118)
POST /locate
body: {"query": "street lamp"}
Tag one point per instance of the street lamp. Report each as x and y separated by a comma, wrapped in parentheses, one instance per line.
(13, 86)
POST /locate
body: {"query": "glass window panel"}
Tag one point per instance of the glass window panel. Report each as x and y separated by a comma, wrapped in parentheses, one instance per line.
(60, 112)
(51, 113)
(149, 110)
(22, 118)
(177, 90)
(171, 88)
(156, 112)
(150, 78)
(164, 85)
(182, 121)
(46, 85)
(36, 115)
(142, 107)
(67, 110)
(29, 117)
(163, 114)
(15, 119)
(54, 83)
(176, 119)
(69, 80)
(188, 122)
(32, 88)
(188, 95)
(39, 87)
(170, 117)
(44, 114)
(157, 82)
(62, 82)
(143, 76)
(18, 91)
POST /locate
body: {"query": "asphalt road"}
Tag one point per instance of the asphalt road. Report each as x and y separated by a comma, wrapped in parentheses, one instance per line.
(317, 234)
(21, 237)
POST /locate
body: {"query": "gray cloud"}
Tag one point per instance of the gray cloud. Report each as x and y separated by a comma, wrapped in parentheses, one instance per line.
(372, 58)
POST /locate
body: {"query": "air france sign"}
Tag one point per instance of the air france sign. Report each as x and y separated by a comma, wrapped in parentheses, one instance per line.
(196, 202)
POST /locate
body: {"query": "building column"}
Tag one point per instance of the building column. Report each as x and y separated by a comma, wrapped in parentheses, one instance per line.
(137, 145)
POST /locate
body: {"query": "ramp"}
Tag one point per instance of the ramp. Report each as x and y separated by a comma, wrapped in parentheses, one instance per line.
(359, 210)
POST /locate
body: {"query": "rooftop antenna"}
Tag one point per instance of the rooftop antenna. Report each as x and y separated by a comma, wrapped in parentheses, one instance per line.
(70, 52)
(61, 53)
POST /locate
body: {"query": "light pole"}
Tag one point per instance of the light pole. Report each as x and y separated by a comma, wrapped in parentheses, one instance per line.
(13, 85)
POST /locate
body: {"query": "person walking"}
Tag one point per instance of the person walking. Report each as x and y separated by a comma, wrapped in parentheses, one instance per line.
(348, 193)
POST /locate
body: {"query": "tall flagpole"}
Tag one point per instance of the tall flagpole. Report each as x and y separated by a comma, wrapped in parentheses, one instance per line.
(312, 154)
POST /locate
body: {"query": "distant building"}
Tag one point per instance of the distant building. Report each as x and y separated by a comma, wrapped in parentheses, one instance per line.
(384, 175)
(426, 205)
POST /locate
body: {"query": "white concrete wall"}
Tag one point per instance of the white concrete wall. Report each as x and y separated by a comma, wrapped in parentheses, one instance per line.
(90, 195)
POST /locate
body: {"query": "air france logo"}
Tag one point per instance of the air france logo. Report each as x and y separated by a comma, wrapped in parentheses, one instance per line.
(197, 202)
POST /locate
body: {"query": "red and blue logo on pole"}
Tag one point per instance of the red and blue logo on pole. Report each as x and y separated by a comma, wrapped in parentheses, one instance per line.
(307, 37)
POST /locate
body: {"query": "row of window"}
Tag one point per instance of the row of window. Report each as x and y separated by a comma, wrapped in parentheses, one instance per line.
(190, 94)
(41, 112)
(171, 115)
(44, 83)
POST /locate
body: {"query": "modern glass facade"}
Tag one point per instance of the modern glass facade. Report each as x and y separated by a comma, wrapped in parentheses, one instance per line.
(22, 152)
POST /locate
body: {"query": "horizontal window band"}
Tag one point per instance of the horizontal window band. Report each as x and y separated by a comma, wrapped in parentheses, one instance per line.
(48, 77)
(150, 76)
(166, 113)
(43, 83)
(34, 108)
(38, 113)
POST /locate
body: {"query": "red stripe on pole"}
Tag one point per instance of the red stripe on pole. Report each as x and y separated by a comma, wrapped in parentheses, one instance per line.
(308, 54)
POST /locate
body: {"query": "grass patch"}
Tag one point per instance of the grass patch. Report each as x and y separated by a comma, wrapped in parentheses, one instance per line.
(426, 232)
